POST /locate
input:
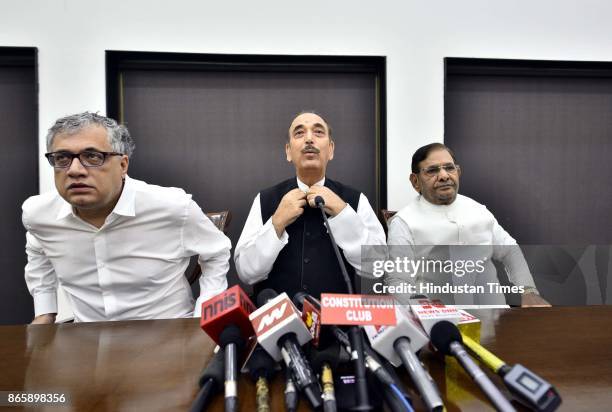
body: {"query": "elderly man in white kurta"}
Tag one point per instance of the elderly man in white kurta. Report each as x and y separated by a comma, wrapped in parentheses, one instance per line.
(439, 222)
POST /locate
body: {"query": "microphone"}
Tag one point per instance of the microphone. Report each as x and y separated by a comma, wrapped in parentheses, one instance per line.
(280, 331)
(210, 383)
(356, 338)
(528, 387)
(291, 396)
(230, 307)
(398, 345)
(262, 369)
(396, 398)
(232, 343)
(319, 201)
(324, 360)
(446, 338)
(225, 318)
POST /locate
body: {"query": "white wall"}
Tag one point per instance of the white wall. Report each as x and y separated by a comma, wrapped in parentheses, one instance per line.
(72, 35)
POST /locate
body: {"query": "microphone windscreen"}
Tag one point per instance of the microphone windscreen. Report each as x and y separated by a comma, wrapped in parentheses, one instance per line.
(215, 370)
(298, 300)
(331, 355)
(264, 296)
(261, 364)
(443, 334)
(231, 334)
(419, 297)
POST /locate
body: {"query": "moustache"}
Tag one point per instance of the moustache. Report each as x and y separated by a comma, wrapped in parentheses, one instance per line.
(310, 149)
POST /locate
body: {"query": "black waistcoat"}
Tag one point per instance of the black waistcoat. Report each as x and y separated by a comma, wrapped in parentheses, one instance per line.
(308, 262)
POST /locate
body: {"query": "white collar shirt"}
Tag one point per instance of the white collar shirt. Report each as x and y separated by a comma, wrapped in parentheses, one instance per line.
(130, 268)
(259, 245)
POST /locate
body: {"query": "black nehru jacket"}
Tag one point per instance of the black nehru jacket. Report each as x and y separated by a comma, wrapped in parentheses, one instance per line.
(308, 262)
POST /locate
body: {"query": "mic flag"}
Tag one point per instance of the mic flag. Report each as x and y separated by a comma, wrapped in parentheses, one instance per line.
(341, 309)
(275, 319)
(232, 306)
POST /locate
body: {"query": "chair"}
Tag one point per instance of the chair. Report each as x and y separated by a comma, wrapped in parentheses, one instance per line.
(384, 215)
(221, 220)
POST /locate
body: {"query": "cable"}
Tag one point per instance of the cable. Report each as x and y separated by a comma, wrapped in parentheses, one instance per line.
(401, 397)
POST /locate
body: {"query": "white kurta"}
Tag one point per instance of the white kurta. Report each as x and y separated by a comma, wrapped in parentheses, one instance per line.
(463, 222)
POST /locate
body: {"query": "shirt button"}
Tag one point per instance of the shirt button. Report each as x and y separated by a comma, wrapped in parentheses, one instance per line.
(307, 233)
(305, 287)
(306, 260)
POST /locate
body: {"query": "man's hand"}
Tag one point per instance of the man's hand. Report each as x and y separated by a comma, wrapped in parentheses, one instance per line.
(44, 319)
(289, 209)
(533, 300)
(333, 203)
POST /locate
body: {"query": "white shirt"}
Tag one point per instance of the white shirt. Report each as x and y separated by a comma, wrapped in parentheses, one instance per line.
(463, 222)
(133, 266)
(259, 245)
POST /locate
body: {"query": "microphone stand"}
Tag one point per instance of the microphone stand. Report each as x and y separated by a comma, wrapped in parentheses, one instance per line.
(355, 335)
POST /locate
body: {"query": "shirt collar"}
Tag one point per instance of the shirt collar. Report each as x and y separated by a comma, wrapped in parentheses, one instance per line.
(65, 210)
(304, 188)
(125, 205)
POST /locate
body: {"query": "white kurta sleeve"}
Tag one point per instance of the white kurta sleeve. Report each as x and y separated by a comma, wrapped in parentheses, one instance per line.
(258, 247)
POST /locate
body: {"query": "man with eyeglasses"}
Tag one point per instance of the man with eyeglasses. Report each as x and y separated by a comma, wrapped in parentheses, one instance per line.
(439, 216)
(118, 246)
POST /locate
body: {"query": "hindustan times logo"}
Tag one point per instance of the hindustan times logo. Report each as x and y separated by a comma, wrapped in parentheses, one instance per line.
(413, 266)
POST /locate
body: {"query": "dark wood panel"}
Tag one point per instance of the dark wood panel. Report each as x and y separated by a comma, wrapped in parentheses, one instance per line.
(535, 146)
(18, 175)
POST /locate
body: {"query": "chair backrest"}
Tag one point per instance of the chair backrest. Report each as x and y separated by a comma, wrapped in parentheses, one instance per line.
(384, 215)
(221, 220)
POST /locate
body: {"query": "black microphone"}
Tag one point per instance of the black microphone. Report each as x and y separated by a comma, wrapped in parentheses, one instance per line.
(324, 361)
(278, 327)
(211, 383)
(232, 342)
(355, 335)
(446, 338)
(394, 396)
(291, 395)
(262, 369)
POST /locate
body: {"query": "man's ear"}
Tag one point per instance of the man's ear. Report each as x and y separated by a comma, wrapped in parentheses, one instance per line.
(288, 152)
(125, 162)
(414, 179)
(331, 149)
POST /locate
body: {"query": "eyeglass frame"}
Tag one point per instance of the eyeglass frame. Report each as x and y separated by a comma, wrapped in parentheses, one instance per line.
(439, 168)
(105, 155)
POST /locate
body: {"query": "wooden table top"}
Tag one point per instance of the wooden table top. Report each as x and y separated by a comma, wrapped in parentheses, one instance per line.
(155, 365)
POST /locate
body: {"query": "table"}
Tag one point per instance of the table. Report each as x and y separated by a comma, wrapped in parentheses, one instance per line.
(154, 365)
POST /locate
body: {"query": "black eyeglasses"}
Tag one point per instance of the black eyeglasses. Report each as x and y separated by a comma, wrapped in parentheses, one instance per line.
(432, 171)
(88, 158)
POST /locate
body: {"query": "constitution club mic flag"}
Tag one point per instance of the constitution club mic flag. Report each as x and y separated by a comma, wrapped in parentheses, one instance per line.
(342, 309)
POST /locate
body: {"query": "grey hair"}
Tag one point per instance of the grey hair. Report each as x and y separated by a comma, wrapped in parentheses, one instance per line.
(118, 135)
